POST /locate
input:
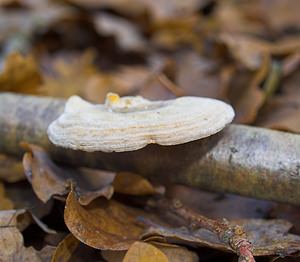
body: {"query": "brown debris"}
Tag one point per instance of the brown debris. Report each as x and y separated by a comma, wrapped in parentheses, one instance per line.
(246, 53)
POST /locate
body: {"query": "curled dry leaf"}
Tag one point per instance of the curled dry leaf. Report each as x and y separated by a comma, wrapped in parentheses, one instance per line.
(71, 249)
(133, 184)
(48, 179)
(23, 197)
(21, 218)
(216, 205)
(65, 249)
(36, 163)
(103, 224)
(268, 237)
(11, 169)
(141, 251)
(10, 218)
(11, 240)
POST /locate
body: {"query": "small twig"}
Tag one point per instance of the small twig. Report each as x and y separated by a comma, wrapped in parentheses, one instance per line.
(168, 84)
(291, 64)
(272, 82)
(233, 236)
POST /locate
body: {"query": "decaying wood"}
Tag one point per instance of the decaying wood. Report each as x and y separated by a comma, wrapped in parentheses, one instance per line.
(245, 160)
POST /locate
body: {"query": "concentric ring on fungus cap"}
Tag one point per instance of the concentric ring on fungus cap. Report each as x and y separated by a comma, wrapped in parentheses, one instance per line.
(131, 123)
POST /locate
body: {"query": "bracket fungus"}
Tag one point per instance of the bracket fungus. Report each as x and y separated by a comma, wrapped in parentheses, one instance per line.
(132, 122)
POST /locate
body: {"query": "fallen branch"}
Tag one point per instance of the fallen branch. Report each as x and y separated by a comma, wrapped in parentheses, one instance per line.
(245, 160)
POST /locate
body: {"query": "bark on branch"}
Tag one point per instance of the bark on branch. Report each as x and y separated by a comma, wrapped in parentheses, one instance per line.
(245, 160)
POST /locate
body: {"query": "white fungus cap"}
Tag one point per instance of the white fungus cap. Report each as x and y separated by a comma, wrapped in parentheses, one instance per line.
(130, 123)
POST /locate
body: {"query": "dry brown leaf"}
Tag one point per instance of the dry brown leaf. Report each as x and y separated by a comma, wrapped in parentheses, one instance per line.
(250, 51)
(246, 95)
(91, 83)
(136, 6)
(291, 64)
(289, 213)
(44, 181)
(268, 237)
(166, 9)
(20, 74)
(12, 247)
(23, 197)
(155, 90)
(5, 202)
(103, 224)
(87, 197)
(48, 179)
(234, 17)
(16, 27)
(46, 253)
(280, 15)
(176, 253)
(264, 17)
(113, 256)
(11, 240)
(248, 104)
(173, 33)
(65, 249)
(126, 33)
(158, 10)
(282, 111)
(144, 252)
(247, 50)
(11, 169)
(216, 205)
(71, 249)
(133, 184)
(128, 79)
(158, 85)
(7, 2)
(198, 76)
(63, 83)
(25, 214)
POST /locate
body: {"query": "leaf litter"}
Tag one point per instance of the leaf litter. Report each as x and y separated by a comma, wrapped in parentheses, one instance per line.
(245, 53)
